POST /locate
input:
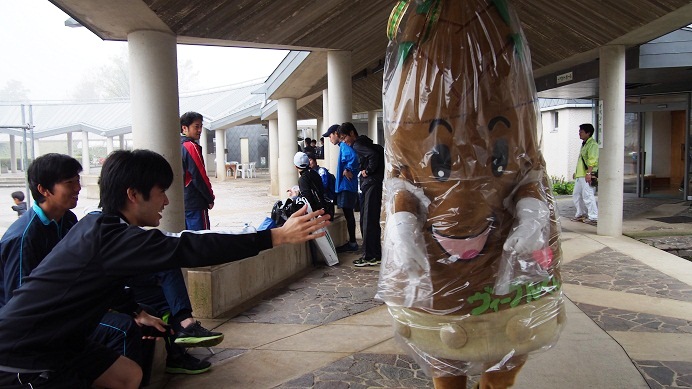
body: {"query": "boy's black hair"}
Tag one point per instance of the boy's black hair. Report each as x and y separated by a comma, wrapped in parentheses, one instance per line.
(347, 128)
(138, 169)
(188, 118)
(588, 128)
(49, 169)
(19, 195)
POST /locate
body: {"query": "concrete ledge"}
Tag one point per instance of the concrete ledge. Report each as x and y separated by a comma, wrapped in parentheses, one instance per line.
(230, 288)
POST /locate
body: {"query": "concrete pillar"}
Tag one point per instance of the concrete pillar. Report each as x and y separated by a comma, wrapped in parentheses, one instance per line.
(85, 153)
(13, 155)
(331, 153)
(121, 142)
(109, 145)
(612, 118)
(204, 141)
(220, 154)
(70, 146)
(318, 129)
(288, 128)
(155, 111)
(340, 96)
(372, 126)
(274, 189)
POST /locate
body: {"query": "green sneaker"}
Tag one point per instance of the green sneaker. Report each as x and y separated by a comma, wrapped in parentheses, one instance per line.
(195, 335)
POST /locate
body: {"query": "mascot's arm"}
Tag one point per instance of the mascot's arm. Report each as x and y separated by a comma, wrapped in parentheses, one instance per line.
(531, 218)
(526, 252)
(405, 273)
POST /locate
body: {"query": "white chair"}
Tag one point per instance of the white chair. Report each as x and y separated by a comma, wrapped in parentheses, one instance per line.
(251, 169)
(240, 168)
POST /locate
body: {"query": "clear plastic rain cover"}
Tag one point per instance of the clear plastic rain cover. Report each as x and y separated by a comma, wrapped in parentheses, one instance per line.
(472, 244)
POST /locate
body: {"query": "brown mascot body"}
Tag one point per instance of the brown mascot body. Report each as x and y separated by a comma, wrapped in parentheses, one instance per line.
(471, 246)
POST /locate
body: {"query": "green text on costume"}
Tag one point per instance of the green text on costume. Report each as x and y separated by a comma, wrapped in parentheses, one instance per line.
(518, 293)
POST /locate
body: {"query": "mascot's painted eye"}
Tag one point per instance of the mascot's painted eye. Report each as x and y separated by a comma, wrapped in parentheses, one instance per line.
(441, 162)
(500, 157)
(500, 148)
(441, 159)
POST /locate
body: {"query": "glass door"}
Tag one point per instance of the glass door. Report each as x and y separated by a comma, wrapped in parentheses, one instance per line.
(656, 161)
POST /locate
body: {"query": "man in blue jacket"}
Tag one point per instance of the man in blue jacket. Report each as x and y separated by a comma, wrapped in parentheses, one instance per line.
(371, 160)
(346, 186)
(42, 327)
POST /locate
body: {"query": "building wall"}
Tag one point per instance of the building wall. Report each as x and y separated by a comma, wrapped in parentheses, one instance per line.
(258, 143)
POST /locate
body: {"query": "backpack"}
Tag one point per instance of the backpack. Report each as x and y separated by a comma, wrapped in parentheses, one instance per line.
(330, 190)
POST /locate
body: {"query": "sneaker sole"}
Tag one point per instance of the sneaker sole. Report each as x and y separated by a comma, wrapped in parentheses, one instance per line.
(209, 341)
(368, 263)
(180, 370)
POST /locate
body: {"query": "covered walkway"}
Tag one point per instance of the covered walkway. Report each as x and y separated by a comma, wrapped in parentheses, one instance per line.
(629, 308)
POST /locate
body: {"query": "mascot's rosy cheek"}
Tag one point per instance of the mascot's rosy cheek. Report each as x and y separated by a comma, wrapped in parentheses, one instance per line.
(471, 256)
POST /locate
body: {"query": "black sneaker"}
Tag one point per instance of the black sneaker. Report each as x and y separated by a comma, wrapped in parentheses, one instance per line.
(195, 335)
(186, 364)
(361, 262)
(347, 247)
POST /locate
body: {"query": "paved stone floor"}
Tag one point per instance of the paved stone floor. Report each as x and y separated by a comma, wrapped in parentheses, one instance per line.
(325, 295)
(362, 371)
(612, 270)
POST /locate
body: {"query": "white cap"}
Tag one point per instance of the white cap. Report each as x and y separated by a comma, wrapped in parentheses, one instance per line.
(301, 160)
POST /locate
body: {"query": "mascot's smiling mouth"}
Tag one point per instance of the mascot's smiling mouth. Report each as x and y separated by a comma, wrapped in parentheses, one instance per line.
(462, 248)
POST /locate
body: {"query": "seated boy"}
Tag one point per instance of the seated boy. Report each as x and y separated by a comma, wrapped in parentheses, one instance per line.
(42, 327)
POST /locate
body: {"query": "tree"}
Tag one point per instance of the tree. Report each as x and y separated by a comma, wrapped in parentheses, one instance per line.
(113, 79)
(14, 91)
(187, 76)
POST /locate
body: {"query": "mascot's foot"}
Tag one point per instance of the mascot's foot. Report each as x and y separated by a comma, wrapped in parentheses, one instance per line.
(490, 379)
(452, 382)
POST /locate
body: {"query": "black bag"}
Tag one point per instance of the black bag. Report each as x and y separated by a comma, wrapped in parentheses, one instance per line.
(282, 211)
(326, 203)
(594, 175)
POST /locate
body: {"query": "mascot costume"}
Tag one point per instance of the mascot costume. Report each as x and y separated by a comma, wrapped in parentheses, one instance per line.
(471, 246)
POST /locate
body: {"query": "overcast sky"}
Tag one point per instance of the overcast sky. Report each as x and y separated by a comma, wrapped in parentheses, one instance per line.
(50, 59)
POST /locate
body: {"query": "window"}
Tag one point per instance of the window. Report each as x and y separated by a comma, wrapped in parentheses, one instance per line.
(556, 120)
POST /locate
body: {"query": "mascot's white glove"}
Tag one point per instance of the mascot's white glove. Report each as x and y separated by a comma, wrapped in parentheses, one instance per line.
(405, 271)
(526, 253)
(532, 215)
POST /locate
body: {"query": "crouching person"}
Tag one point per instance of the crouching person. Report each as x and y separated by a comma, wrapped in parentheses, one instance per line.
(43, 327)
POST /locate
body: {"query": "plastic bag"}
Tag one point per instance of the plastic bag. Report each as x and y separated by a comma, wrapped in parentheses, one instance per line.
(267, 224)
(471, 256)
